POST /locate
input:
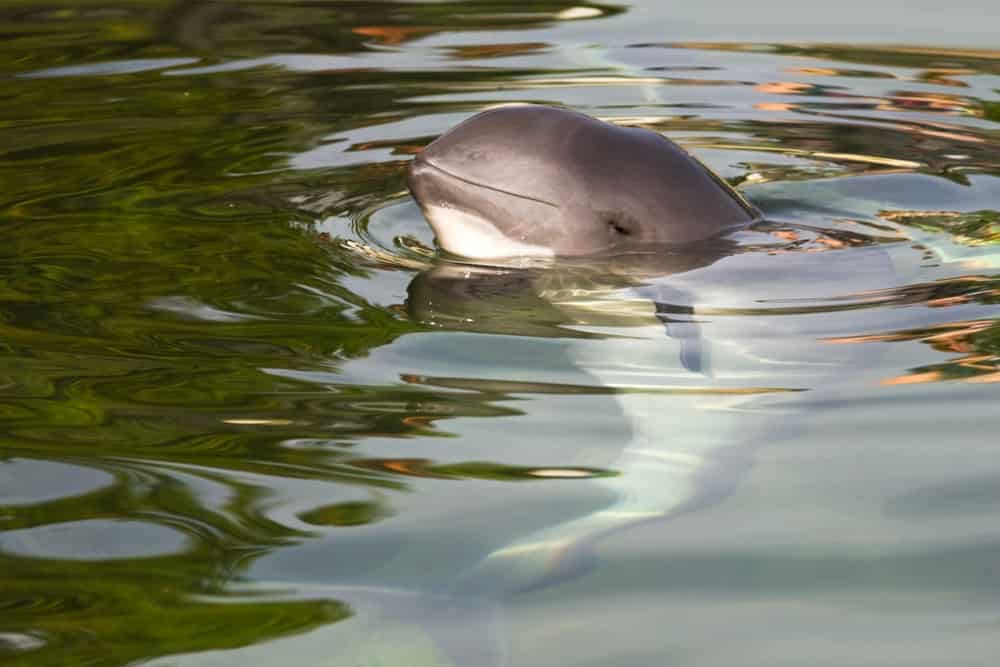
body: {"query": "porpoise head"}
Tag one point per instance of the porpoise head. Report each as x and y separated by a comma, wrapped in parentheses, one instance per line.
(539, 181)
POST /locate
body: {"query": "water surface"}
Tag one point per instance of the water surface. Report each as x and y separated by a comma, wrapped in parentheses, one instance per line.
(248, 415)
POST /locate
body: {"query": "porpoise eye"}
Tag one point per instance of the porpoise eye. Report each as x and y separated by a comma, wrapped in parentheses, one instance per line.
(618, 227)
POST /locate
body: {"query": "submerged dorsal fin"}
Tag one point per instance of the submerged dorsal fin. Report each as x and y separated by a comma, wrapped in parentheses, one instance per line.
(675, 310)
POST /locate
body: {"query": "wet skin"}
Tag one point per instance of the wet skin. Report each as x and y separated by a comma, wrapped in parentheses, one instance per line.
(538, 181)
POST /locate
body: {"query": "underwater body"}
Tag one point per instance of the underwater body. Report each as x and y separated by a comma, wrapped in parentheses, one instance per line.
(251, 412)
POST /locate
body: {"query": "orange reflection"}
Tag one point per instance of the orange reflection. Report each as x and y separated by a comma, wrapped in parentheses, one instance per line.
(391, 35)
(982, 379)
(419, 421)
(397, 148)
(775, 106)
(784, 88)
(915, 378)
(977, 364)
(910, 101)
(497, 50)
(798, 241)
(408, 467)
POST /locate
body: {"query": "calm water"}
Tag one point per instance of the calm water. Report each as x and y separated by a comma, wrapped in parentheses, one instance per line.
(249, 416)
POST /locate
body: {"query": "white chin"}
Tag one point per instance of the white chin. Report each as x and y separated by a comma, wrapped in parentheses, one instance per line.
(470, 236)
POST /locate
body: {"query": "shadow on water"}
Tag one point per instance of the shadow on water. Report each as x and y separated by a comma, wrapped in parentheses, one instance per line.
(247, 412)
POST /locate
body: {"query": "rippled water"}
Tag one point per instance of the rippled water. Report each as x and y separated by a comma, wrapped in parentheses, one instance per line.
(249, 416)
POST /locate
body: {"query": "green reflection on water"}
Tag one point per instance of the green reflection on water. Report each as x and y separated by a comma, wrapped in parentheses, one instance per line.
(152, 268)
(156, 273)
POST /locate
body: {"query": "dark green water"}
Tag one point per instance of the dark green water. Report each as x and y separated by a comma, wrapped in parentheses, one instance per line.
(247, 418)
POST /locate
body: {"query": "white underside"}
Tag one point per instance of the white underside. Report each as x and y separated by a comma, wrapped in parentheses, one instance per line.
(470, 236)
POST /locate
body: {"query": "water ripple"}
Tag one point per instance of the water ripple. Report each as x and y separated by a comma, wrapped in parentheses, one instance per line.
(235, 364)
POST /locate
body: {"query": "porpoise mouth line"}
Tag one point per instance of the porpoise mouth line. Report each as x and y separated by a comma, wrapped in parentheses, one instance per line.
(476, 184)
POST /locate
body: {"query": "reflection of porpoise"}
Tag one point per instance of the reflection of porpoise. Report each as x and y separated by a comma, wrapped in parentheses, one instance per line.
(755, 319)
(531, 180)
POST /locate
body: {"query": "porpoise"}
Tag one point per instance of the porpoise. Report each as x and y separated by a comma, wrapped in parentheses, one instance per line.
(538, 181)
(535, 181)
